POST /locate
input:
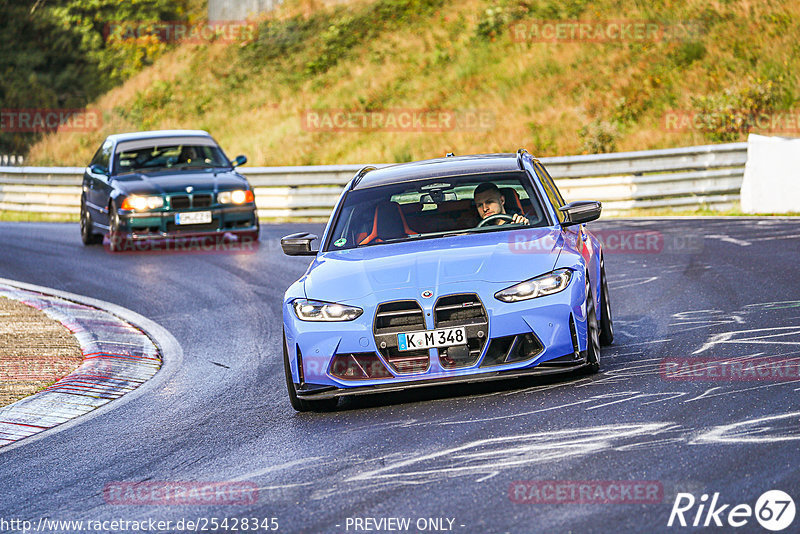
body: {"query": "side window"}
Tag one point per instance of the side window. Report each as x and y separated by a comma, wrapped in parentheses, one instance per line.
(551, 191)
(103, 155)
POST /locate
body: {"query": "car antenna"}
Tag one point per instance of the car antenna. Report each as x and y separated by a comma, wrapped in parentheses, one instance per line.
(449, 155)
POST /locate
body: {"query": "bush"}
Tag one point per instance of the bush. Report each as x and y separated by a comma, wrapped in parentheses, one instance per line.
(732, 114)
(498, 17)
(599, 137)
(322, 40)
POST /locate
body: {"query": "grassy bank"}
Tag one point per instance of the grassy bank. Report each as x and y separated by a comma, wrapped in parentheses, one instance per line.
(729, 59)
(32, 216)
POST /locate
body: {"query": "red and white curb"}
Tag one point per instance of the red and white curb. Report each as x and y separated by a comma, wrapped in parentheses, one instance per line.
(118, 358)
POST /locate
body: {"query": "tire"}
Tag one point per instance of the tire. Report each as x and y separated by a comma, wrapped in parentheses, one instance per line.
(606, 320)
(87, 235)
(116, 239)
(302, 405)
(592, 333)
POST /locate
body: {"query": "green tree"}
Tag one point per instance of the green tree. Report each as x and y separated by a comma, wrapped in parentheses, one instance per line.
(58, 54)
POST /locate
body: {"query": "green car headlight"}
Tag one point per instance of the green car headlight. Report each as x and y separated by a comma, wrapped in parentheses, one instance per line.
(313, 310)
(138, 203)
(546, 284)
(239, 196)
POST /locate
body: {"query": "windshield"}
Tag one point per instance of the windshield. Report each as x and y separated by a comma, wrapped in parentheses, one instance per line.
(168, 154)
(435, 208)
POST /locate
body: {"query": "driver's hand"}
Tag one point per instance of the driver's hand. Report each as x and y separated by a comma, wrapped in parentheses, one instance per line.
(519, 219)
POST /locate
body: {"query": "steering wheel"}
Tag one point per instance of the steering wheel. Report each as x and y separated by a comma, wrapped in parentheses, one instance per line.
(496, 217)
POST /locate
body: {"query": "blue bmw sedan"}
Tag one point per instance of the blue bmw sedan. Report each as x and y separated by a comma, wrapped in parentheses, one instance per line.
(459, 269)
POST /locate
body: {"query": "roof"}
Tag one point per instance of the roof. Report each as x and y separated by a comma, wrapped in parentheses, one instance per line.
(132, 136)
(434, 168)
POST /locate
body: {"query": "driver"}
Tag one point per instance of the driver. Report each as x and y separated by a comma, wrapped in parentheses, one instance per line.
(490, 201)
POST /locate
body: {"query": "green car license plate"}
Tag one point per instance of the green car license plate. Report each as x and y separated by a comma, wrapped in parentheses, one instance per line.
(193, 217)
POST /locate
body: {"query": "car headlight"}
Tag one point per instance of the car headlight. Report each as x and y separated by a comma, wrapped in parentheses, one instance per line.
(239, 196)
(313, 310)
(137, 203)
(546, 284)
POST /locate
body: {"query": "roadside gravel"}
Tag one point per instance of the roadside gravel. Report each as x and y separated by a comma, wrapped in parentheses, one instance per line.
(35, 351)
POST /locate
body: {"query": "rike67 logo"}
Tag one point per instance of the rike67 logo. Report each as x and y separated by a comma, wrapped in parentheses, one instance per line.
(774, 510)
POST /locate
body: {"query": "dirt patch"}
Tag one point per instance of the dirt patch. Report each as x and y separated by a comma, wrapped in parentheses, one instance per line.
(35, 351)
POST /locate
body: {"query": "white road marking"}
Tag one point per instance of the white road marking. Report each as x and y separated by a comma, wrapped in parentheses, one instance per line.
(760, 430)
(774, 332)
(278, 467)
(729, 239)
(491, 455)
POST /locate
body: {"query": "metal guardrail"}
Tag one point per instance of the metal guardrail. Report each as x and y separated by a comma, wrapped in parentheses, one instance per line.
(709, 176)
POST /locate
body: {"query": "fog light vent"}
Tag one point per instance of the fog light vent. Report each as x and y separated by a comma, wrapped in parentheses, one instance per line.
(358, 366)
(512, 349)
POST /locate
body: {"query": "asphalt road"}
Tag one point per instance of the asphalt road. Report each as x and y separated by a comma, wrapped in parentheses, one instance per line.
(714, 288)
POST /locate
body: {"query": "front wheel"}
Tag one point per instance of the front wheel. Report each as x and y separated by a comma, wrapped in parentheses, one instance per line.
(302, 405)
(116, 239)
(592, 333)
(88, 237)
(606, 321)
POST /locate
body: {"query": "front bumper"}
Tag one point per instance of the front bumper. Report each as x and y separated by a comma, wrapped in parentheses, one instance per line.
(236, 220)
(557, 322)
(565, 364)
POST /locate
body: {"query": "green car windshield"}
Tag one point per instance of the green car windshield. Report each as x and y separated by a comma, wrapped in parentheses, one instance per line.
(431, 208)
(151, 155)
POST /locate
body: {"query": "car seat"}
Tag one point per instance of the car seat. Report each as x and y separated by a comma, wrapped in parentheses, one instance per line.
(512, 200)
(387, 223)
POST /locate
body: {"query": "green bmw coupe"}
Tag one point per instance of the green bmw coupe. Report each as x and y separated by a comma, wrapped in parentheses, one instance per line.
(162, 185)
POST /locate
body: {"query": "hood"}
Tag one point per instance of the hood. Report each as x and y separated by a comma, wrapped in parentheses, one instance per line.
(513, 256)
(166, 182)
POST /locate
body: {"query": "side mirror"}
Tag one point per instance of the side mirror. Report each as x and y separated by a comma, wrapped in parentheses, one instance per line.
(298, 244)
(240, 160)
(581, 212)
(96, 168)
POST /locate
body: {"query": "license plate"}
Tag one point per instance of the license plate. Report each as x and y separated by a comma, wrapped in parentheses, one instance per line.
(193, 217)
(431, 339)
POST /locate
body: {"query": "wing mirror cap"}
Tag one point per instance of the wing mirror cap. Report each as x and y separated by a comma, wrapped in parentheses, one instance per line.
(96, 168)
(299, 244)
(581, 211)
(239, 160)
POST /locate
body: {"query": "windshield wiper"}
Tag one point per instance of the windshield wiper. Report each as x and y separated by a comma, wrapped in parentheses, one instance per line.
(495, 227)
(192, 166)
(144, 169)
